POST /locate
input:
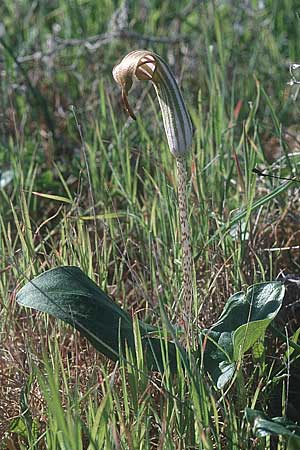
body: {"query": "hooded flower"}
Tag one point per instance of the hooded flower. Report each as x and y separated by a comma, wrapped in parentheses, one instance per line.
(145, 65)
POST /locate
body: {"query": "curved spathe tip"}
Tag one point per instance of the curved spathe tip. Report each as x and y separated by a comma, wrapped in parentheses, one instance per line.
(144, 65)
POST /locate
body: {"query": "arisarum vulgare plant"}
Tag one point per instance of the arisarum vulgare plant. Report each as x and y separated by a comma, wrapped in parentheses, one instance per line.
(68, 294)
(144, 65)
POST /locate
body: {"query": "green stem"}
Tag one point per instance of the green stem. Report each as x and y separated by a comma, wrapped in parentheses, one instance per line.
(187, 263)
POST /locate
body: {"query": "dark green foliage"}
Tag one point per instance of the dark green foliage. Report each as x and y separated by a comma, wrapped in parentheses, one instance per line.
(243, 321)
(68, 294)
(277, 426)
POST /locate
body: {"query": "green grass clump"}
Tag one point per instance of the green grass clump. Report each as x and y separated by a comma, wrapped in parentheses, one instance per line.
(92, 189)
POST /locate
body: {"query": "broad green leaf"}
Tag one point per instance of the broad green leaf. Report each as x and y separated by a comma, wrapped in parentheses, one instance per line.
(243, 321)
(70, 295)
(264, 303)
(277, 426)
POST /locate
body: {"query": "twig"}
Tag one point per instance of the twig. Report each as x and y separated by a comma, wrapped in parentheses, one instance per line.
(92, 43)
(39, 99)
(261, 174)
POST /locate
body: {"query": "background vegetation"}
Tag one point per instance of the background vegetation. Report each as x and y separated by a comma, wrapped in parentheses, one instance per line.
(63, 132)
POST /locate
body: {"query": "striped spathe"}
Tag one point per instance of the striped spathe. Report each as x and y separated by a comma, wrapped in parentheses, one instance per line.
(144, 65)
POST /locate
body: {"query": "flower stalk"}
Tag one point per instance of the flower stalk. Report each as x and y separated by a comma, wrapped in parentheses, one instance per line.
(143, 65)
